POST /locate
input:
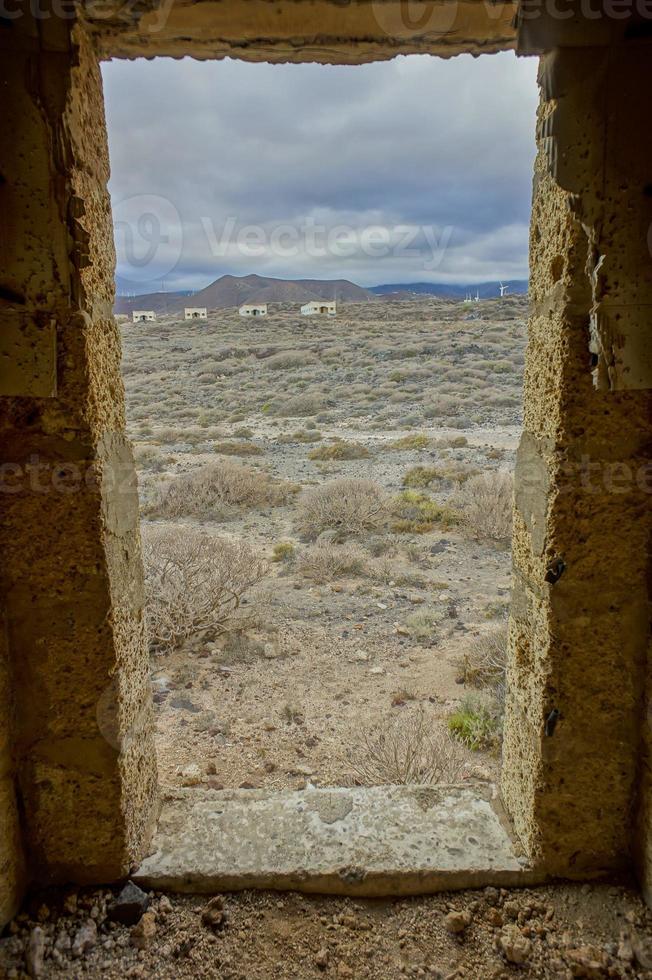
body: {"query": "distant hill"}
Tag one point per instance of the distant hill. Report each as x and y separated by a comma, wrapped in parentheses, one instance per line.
(487, 290)
(235, 290)
(230, 291)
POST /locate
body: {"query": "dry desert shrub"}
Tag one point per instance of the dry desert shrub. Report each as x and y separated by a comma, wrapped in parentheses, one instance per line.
(485, 502)
(326, 561)
(237, 448)
(483, 663)
(285, 360)
(214, 491)
(409, 751)
(298, 406)
(341, 449)
(348, 506)
(195, 583)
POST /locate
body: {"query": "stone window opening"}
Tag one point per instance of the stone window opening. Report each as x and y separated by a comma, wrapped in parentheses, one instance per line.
(80, 805)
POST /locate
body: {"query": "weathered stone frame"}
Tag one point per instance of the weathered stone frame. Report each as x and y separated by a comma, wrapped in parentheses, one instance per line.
(77, 766)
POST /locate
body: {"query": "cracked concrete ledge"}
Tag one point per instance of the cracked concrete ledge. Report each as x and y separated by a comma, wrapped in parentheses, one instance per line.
(387, 840)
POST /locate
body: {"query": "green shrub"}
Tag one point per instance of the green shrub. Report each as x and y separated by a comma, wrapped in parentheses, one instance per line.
(475, 724)
(283, 551)
(414, 441)
(421, 476)
(417, 513)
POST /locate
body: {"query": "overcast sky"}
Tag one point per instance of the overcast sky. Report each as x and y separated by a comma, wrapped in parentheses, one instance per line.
(416, 169)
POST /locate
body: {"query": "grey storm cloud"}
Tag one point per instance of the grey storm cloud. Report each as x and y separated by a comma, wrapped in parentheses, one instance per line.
(399, 171)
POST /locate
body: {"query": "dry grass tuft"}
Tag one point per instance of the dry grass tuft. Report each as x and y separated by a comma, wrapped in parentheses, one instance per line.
(195, 584)
(410, 751)
(484, 662)
(326, 561)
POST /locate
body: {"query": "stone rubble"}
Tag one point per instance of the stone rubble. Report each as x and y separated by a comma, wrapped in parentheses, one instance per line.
(487, 934)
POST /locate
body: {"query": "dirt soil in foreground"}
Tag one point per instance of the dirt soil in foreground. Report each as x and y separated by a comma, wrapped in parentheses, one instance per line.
(565, 931)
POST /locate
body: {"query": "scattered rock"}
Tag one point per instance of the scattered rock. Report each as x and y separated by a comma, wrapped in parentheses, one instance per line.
(495, 918)
(63, 942)
(642, 949)
(185, 704)
(144, 931)
(625, 950)
(85, 939)
(321, 959)
(457, 922)
(587, 961)
(131, 903)
(35, 952)
(164, 905)
(190, 775)
(214, 915)
(514, 946)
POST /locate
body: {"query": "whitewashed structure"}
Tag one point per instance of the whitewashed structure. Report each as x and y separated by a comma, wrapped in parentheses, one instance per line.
(317, 306)
(143, 316)
(195, 313)
(253, 309)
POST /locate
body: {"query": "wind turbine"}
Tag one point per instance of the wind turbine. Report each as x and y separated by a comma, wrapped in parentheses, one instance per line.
(503, 290)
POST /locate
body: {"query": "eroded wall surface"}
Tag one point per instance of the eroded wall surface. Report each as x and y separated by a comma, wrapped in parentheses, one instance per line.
(580, 617)
(326, 31)
(71, 571)
(12, 871)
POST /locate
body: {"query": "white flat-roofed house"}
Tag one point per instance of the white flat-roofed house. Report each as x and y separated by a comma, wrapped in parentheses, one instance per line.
(253, 309)
(320, 306)
(143, 316)
(195, 313)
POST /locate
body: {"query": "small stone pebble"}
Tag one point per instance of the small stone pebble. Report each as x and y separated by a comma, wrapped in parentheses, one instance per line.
(457, 922)
(144, 931)
(85, 939)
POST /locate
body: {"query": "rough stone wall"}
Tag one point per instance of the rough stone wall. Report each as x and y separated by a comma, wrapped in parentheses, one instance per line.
(578, 639)
(71, 572)
(326, 31)
(12, 872)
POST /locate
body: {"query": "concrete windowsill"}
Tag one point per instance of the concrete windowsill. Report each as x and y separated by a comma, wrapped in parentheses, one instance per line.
(387, 840)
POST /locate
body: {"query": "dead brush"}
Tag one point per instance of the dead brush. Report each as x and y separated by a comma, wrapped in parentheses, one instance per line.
(411, 750)
(195, 584)
(484, 662)
(485, 502)
(214, 491)
(326, 561)
(348, 506)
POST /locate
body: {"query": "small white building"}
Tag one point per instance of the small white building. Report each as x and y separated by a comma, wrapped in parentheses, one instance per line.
(195, 313)
(253, 309)
(143, 316)
(318, 306)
